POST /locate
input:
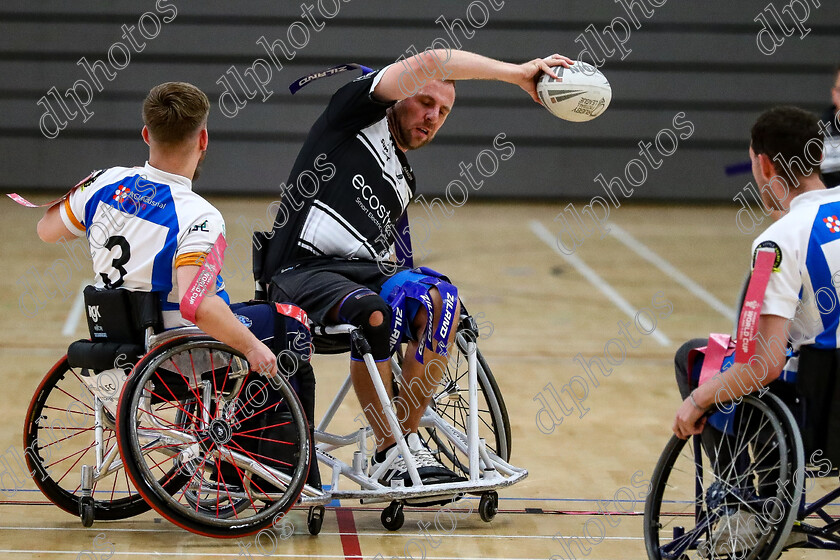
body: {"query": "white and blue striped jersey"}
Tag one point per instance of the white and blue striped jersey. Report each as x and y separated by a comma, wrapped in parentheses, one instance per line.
(141, 224)
(803, 286)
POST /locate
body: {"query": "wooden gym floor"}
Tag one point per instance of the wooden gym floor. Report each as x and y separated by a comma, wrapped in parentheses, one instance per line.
(544, 308)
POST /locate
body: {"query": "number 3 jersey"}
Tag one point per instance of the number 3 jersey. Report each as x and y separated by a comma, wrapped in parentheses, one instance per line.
(141, 224)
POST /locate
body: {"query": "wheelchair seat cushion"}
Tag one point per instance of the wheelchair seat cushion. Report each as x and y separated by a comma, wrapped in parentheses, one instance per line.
(100, 356)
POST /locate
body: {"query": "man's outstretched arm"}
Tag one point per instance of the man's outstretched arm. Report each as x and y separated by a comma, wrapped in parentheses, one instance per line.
(399, 79)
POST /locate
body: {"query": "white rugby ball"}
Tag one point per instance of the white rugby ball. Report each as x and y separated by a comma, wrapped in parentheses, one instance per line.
(580, 92)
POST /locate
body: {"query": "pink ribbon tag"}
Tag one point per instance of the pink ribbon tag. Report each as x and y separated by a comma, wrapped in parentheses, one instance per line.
(204, 280)
(83, 183)
(23, 202)
(751, 310)
(719, 347)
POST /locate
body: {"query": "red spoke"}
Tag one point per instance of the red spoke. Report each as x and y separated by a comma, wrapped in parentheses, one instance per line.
(194, 391)
(165, 421)
(67, 410)
(198, 493)
(265, 428)
(68, 437)
(241, 478)
(268, 439)
(75, 399)
(177, 400)
(260, 411)
(251, 455)
(222, 480)
(213, 378)
(83, 451)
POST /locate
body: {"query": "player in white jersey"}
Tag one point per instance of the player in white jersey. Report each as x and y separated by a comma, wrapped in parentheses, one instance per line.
(800, 304)
(148, 231)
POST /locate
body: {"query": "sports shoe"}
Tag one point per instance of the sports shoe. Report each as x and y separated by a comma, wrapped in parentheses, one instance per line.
(431, 471)
(107, 385)
(736, 533)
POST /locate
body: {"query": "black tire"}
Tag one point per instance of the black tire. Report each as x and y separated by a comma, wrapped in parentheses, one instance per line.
(451, 402)
(681, 521)
(392, 517)
(61, 412)
(315, 519)
(157, 400)
(488, 506)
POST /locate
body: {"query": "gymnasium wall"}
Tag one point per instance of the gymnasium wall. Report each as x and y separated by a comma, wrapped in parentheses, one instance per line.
(698, 59)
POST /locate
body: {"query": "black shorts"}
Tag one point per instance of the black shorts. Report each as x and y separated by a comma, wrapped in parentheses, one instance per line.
(317, 285)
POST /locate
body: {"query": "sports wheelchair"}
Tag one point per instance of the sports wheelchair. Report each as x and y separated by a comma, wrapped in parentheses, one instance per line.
(223, 452)
(738, 490)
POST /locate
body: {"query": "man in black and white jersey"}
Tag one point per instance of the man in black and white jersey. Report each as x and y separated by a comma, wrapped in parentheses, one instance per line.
(351, 184)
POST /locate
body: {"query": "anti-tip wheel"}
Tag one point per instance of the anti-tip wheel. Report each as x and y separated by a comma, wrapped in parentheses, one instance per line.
(392, 516)
(488, 506)
(86, 511)
(315, 519)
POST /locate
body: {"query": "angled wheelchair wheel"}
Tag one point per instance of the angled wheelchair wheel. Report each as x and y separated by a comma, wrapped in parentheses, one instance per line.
(732, 492)
(240, 444)
(451, 402)
(59, 439)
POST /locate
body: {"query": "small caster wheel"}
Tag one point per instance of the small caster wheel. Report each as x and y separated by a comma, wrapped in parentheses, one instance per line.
(488, 506)
(315, 519)
(86, 511)
(392, 516)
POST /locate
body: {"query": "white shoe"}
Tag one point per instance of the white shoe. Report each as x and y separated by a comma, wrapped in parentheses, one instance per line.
(106, 385)
(431, 471)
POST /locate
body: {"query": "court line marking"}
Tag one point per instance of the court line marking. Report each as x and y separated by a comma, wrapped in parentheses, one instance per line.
(603, 286)
(365, 534)
(670, 270)
(75, 314)
(234, 555)
(347, 531)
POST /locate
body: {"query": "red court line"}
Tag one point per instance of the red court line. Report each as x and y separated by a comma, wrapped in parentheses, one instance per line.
(349, 537)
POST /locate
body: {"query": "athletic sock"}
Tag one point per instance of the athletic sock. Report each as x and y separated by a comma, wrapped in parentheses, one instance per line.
(379, 456)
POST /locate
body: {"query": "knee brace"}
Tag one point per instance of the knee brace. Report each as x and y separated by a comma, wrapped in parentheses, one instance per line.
(357, 309)
(415, 285)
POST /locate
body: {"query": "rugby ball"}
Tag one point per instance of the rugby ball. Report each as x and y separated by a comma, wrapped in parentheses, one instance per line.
(579, 93)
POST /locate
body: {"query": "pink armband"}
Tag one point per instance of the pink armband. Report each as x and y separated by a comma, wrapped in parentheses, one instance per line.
(204, 280)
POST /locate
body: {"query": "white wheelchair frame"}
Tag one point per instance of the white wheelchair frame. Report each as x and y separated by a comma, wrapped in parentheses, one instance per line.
(487, 471)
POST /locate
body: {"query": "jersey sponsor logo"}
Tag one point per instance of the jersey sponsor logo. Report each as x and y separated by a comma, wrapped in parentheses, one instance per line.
(770, 245)
(832, 223)
(124, 192)
(373, 202)
(121, 193)
(93, 313)
(449, 307)
(396, 333)
(200, 227)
